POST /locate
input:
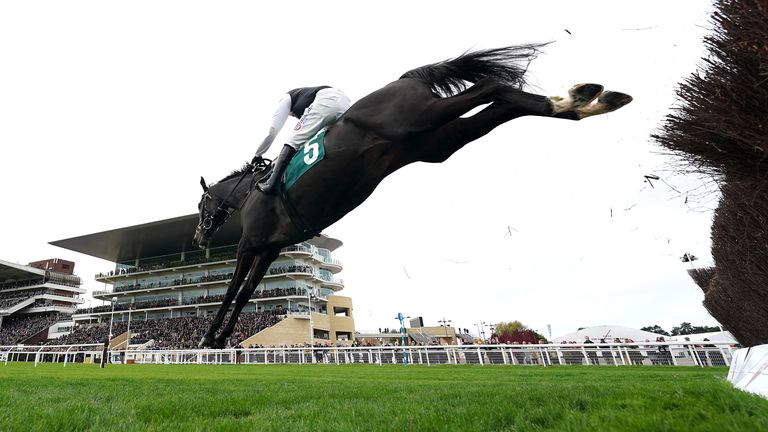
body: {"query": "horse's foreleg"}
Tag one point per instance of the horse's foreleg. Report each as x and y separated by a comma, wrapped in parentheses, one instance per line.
(258, 270)
(244, 261)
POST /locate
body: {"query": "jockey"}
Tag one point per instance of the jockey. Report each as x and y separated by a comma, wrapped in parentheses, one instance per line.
(316, 107)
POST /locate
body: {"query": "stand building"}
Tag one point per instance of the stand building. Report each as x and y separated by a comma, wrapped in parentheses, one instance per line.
(37, 300)
(160, 280)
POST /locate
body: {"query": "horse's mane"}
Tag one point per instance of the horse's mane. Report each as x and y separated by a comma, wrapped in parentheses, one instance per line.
(236, 173)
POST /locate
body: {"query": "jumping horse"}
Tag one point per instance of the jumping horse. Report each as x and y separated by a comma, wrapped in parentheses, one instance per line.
(417, 118)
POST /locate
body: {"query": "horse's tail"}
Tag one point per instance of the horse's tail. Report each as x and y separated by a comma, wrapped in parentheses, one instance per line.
(507, 65)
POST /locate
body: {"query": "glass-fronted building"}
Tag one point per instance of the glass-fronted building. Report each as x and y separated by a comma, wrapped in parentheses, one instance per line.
(37, 300)
(158, 275)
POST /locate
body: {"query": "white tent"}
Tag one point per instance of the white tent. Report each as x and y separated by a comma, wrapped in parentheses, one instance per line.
(608, 332)
(719, 336)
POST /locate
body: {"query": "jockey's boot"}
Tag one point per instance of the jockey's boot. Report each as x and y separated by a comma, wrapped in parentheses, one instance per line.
(270, 185)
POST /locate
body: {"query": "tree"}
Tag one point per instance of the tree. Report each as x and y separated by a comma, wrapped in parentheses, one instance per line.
(655, 329)
(705, 329)
(516, 332)
(684, 328)
(509, 327)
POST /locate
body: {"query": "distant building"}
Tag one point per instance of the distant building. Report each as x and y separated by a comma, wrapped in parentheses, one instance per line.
(159, 274)
(37, 300)
(55, 265)
(415, 334)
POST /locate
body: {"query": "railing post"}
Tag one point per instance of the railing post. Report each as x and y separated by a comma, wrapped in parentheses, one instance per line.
(479, 357)
(66, 355)
(725, 358)
(694, 355)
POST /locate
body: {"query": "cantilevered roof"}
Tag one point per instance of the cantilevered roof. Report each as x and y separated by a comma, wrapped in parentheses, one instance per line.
(164, 237)
(10, 272)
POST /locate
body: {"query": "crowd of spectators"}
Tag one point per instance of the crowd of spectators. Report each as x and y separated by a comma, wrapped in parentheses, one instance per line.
(279, 292)
(175, 282)
(169, 333)
(292, 269)
(170, 264)
(167, 302)
(11, 298)
(17, 329)
(94, 333)
(227, 255)
(21, 284)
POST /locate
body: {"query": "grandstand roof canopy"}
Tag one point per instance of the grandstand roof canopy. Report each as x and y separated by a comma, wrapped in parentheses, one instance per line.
(10, 272)
(159, 238)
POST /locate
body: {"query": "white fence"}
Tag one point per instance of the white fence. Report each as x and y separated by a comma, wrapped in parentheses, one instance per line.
(646, 354)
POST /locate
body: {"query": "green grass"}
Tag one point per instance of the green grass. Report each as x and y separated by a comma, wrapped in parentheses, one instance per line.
(367, 397)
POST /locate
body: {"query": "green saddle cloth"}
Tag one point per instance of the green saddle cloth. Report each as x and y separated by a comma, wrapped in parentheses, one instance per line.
(308, 156)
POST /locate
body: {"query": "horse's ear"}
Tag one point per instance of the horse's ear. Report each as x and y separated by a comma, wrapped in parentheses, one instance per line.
(202, 183)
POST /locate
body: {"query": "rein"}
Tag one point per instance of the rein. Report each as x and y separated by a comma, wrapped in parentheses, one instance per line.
(207, 223)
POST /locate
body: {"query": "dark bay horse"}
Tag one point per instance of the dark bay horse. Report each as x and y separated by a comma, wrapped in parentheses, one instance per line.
(416, 118)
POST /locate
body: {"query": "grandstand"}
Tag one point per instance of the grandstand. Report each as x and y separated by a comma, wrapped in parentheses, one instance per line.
(163, 292)
(37, 300)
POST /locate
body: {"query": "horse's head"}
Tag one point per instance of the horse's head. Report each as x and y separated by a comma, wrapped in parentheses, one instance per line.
(212, 215)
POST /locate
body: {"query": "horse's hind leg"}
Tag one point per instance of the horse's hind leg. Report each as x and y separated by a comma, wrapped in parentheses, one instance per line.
(440, 111)
(258, 270)
(244, 260)
(442, 143)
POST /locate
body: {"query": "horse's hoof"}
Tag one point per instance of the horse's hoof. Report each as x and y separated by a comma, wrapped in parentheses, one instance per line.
(579, 96)
(607, 102)
(584, 94)
(218, 343)
(206, 342)
(614, 100)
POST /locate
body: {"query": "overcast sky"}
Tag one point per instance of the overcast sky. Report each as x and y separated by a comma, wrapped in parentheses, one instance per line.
(111, 111)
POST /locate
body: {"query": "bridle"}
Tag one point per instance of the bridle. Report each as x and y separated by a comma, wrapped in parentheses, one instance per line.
(207, 222)
(226, 211)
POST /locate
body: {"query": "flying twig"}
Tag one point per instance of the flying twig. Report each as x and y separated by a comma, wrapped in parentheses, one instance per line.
(670, 186)
(509, 231)
(650, 177)
(456, 262)
(639, 28)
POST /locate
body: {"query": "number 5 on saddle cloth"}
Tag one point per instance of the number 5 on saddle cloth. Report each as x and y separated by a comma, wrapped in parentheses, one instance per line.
(310, 154)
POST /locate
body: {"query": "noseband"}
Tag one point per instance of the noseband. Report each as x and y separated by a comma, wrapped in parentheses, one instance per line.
(207, 223)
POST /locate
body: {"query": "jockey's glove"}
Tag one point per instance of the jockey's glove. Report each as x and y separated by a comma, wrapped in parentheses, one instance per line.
(256, 160)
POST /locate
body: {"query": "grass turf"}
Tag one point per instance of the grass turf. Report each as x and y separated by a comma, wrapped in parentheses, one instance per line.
(368, 397)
